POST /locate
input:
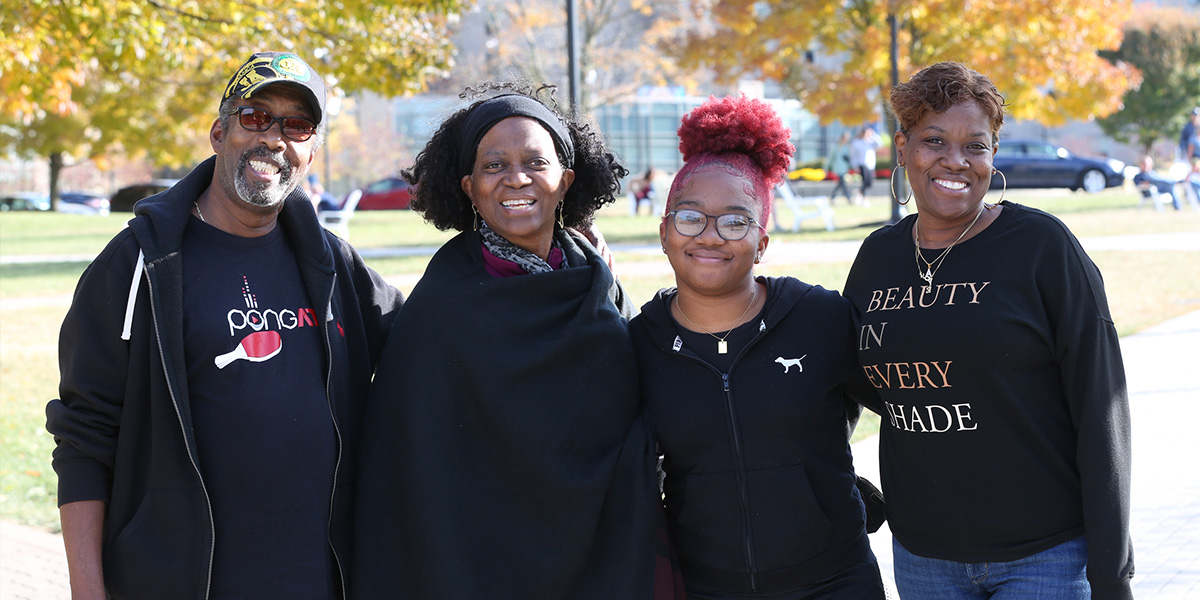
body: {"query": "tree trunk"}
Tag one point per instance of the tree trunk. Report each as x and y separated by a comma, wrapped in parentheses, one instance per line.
(56, 165)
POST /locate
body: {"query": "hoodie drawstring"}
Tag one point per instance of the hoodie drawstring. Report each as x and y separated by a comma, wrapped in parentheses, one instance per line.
(133, 291)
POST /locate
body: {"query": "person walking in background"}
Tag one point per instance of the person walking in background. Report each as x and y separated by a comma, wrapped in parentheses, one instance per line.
(1189, 137)
(214, 364)
(748, 383)
(838, 163)
(1005, 443)
(862, 159)
(1193, 180)
(504, 455)
(641, 191)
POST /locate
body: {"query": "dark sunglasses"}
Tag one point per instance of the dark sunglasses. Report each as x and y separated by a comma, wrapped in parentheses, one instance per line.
(731, 227)
(258, 120)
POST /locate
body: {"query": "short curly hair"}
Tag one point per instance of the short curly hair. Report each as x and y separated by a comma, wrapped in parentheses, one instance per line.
(942, 85)
(435, 175)
(741, 135)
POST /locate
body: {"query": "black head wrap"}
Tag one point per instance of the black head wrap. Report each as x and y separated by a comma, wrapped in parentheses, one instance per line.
(494, 110)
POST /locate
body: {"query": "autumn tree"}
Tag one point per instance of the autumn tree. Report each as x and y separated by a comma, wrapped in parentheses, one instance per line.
(1164, 44)
(527, 40)
(834, 55)
(85, 77)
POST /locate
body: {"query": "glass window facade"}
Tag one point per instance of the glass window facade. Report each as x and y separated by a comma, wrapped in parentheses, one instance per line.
(641, 131)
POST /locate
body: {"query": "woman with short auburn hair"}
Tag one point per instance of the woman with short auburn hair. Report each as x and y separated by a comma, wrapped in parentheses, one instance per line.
(1004, 448)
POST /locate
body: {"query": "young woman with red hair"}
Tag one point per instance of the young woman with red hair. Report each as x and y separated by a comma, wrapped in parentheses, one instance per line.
(750, 383)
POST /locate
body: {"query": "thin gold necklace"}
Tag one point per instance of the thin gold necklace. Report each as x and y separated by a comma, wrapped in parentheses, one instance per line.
(930, 269)
(722, 347)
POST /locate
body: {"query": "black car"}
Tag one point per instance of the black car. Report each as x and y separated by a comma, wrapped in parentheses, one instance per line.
(1038, 164)
(126, 197)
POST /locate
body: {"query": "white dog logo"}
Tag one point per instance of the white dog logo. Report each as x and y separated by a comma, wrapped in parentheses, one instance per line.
(788, 363)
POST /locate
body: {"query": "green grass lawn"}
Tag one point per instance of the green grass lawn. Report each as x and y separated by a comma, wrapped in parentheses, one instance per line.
(1144, 288)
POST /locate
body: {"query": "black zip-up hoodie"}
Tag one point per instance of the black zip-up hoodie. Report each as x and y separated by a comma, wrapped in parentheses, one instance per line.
(123, 423)
(759, 485)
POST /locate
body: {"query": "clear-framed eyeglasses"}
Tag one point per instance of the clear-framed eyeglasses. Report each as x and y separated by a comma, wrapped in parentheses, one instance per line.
(731, 227)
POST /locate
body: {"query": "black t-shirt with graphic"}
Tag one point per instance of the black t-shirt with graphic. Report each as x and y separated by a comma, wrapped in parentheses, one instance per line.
(264, 430)
(1006, 421)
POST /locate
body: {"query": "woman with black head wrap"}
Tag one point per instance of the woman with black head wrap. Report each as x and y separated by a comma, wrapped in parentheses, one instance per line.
(503, 454)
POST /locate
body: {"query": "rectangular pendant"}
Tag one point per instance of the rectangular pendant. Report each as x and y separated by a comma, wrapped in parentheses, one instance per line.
(722, 347)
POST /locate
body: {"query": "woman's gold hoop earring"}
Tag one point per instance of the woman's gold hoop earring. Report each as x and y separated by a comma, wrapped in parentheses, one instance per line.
(560, 214)
(894, 197)
(1002, 191)
(476, 211)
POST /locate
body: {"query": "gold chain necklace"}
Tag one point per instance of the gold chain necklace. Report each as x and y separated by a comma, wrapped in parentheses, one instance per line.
(198, 213)
(930, 269)
(722, 347)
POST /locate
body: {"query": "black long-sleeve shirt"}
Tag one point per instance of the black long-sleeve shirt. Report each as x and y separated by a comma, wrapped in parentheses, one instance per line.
(1007, 417)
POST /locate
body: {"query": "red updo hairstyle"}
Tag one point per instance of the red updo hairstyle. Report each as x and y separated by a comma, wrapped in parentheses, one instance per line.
(741, 135)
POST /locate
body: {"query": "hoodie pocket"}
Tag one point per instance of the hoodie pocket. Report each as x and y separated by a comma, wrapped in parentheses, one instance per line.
(706, 520)
(783, 522)
(164, 550)
(786, 521)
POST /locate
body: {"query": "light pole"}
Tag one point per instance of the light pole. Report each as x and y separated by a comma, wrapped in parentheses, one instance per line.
(573, 54)
(333, 105)
(898, 189)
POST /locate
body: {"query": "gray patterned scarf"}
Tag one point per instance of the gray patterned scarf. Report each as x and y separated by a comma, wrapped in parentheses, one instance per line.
(502, 248)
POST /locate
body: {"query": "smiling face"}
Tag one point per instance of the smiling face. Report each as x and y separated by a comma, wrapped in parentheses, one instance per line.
(709, 264)
(948, 160)
(517, 183)
(259, 169)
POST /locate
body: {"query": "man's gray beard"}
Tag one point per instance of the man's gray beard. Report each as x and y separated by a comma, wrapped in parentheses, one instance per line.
(272, 194)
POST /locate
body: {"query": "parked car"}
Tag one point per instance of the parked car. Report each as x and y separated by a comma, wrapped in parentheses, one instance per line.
(1038, 164)
(24, 201)
(126, 197)
(82, 203)
(386, 194)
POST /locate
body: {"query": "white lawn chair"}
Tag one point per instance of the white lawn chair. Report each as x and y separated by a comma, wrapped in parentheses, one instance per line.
(803, 208)
(338, 221)
(1150, 194)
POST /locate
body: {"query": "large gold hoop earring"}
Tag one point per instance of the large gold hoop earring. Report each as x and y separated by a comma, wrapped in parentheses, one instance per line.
(1002, 191)
(476, 220)
(893, 181)
(560, 214)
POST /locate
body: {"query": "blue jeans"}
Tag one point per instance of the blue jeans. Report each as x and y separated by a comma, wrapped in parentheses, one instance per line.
(1059, 573)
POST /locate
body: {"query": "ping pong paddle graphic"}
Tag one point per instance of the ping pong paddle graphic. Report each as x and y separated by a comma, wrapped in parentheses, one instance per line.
(256, 347)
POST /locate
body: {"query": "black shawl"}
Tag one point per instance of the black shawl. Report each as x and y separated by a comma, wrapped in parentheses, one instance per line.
(503, 455)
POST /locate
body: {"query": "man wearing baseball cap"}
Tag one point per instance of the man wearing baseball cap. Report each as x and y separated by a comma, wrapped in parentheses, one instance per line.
(213, 368)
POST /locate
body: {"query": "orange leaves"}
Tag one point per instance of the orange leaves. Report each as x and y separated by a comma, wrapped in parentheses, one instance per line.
(1040, 53)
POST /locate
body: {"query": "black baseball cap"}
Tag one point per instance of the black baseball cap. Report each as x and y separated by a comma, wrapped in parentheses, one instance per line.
(285, 68)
